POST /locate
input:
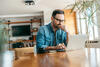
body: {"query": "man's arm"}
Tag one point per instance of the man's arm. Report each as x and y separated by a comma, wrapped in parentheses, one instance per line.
(60, 46)
(40, 40)
(64, 28)
(50, 48)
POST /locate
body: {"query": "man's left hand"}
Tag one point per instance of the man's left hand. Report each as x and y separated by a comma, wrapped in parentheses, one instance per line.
(63, 27)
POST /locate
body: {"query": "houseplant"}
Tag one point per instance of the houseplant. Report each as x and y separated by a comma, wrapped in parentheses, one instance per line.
(3, 35)
(84, 6)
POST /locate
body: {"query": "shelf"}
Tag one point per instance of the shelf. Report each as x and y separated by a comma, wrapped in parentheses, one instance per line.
(33, 21)
(35, 29)
(21, 41)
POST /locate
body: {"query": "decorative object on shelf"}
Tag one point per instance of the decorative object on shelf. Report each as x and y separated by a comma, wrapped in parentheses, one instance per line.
(35, 29)
(29, 2)
(3, 35)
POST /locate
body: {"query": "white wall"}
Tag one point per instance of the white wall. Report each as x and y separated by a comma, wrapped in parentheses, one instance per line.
(47, 15)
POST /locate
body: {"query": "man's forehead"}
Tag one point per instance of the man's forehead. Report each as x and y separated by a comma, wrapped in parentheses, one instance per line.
(59, 16)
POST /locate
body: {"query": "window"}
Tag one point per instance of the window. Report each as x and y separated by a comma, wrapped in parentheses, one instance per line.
(86, 23)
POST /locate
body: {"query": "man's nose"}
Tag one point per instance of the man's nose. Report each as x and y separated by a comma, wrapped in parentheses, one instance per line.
(59, 23)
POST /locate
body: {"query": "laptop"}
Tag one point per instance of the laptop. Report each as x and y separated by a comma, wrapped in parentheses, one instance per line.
(76, 42)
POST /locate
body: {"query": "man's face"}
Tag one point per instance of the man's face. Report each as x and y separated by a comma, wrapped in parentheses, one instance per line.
(58, 20)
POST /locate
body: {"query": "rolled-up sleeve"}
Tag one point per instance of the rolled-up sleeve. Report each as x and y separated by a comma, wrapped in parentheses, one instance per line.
(40, 39)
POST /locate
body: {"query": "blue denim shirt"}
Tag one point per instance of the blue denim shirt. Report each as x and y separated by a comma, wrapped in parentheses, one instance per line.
(46, 37)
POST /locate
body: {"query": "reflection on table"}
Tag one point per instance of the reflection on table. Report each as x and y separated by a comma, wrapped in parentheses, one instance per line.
(87, 57)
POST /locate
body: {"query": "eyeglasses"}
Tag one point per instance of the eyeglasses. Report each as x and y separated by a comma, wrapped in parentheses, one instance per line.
(59, 20)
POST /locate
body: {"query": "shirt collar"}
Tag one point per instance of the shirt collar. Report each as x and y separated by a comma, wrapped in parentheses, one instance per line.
(51, 27)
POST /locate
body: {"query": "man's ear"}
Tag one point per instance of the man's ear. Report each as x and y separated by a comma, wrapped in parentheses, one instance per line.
(52, 18)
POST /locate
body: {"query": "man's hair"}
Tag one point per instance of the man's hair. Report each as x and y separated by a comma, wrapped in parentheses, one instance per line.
(57, 11)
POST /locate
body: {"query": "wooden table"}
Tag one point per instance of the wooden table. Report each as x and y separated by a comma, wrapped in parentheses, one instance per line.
(87, 57)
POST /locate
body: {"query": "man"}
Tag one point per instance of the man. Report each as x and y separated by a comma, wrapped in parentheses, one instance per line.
(53, 36)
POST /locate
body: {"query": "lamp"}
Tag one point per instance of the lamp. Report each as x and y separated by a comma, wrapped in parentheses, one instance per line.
(29, 2)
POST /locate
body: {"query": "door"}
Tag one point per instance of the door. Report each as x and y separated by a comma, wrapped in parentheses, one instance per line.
(70, 21)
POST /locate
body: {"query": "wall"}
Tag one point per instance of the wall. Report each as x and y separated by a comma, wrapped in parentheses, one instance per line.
(47, 15)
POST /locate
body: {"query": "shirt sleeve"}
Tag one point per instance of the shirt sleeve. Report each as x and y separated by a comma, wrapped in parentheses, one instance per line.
(40, 40)
(65, 38)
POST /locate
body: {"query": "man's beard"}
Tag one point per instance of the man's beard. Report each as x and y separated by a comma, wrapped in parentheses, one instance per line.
(56, 26)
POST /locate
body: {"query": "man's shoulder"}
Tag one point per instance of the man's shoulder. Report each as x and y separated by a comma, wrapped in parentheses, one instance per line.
(45, 29)
(45, 26)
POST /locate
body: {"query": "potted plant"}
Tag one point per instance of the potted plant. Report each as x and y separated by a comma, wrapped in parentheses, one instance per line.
(84, 6)
(3, 35)
(86, 10)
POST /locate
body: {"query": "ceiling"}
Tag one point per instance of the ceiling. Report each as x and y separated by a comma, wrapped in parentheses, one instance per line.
(8, 7)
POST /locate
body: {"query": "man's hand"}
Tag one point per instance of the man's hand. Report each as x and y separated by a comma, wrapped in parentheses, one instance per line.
(61, 46)
(63, 27)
